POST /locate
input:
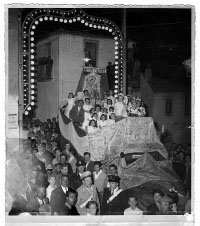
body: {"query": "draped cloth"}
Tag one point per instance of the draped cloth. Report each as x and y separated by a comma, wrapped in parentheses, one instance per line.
(128, 135)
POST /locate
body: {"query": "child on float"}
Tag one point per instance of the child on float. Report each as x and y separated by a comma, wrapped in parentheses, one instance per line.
(120, 107)
(92, 126)
(141, 110)
(108, 104)
(132, 108)
(88, 117)
(111, 97)
(111, 119)
(105, 111)
(103, 121)
(87, 106)
(111, 110)
(98, 110)
(69, 103)
(104, 101)
(95, 117)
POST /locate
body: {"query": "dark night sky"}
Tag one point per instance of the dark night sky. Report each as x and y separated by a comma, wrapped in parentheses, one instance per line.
(162, 34)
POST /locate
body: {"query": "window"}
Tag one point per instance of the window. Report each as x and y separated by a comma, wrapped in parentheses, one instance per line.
(90, 49)
(168, 109)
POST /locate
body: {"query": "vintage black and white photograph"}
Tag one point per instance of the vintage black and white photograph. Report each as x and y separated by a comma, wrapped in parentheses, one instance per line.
(99, 111)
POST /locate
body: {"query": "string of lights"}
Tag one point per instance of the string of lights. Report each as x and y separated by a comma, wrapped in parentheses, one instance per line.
(38, 16)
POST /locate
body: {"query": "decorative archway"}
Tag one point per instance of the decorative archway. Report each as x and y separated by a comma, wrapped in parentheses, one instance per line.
(61, 16)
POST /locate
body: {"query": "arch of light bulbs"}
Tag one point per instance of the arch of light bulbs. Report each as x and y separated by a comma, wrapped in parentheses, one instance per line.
(62, 16)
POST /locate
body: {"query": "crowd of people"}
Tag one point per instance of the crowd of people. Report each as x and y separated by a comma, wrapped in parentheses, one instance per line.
(93, 114)
(61, 182)
(180, 157)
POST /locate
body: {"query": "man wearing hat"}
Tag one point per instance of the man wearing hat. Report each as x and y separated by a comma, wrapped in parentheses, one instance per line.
(77, 181)
(114, 200)
(86, 192)
(99, 178)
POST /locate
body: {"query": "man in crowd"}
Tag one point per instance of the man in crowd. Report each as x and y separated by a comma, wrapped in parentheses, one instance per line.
(44, 155)
(89, 164)
(99, 178)
(77, 181)
(71, 159)
(36, 201)
(77, 113)
(114, 200)
(86, 192)
(111, 171)
(133, 209)
(54, 145)
(69, 207)
(63, 160)
(58, 195)
(65, 171)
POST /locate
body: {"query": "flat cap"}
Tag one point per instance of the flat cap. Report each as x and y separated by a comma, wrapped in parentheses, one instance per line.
(113, 178)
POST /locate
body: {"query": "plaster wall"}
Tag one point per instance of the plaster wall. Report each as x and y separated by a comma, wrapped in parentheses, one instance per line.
(47, 92)
(71, 54)
(13, 117)
(67, 52)
(177, 123)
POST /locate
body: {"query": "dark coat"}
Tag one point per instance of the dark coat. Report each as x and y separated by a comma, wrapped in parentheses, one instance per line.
(58, 199)
(33, 205)
(90, 167)
(116, 206)
(152, 209)
(75, 116)
(75, 181)
(65, 210)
